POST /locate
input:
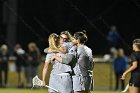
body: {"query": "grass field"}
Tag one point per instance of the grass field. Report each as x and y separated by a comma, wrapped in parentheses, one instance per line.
(103, 76)
(103, 80)
(14, 90)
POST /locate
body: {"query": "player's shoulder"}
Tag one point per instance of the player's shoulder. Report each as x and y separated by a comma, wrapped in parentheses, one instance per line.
(67, 43)
(87, 48)
(51, 54)
(80, 48)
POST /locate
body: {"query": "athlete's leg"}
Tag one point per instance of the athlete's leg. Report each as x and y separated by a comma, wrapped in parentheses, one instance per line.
(133, 89)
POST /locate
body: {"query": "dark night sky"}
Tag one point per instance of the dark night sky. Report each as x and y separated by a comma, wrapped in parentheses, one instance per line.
(95, 16)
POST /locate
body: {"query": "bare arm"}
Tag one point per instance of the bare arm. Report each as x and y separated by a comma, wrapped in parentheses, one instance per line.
(44, 72)
(133, 67)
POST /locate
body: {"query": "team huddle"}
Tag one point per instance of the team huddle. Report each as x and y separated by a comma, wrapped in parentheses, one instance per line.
(72, 63)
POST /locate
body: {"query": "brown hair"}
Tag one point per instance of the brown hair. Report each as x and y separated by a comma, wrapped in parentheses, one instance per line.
(81, 36)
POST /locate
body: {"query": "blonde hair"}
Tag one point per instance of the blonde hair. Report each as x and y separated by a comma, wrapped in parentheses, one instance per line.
(67, 33)
(53, 41)
(120, 52)
(54, 44)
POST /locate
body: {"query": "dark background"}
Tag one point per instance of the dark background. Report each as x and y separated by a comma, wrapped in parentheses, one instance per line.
(38, 18)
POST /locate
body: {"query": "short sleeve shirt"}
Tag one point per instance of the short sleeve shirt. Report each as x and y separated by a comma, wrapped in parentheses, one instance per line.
(48, 57)
(135, 57)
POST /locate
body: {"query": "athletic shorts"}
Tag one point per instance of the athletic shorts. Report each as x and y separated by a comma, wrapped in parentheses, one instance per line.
(62, 83)
(82, 83)
(135, 80)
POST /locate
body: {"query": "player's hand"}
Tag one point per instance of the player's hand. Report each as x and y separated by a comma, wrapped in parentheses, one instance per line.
(123, 76)
(43, 83)
(52, 59)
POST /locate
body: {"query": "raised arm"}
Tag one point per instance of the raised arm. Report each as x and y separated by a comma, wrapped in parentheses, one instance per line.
(49, 51)
(68, 58)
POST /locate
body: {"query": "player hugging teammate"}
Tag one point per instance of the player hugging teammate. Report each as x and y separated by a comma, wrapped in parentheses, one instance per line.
(72, 63)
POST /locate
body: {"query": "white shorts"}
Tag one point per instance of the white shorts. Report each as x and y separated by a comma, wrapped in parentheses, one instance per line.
(63, 83)
(82, 83)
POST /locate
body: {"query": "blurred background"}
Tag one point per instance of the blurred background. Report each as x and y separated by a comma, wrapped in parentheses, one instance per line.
(25, 21)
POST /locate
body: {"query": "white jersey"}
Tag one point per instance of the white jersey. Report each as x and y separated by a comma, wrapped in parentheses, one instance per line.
(57, 66)
(84, 60)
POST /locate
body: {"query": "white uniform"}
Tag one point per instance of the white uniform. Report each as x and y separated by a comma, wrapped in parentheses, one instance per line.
(60, 78)
(82, 80)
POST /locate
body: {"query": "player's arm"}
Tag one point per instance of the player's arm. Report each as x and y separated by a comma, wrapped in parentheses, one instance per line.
(60, 50)
(133, 67)
(45, 69)
(44, 72)
(92, 63)
(49, 51)
(68, 58)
